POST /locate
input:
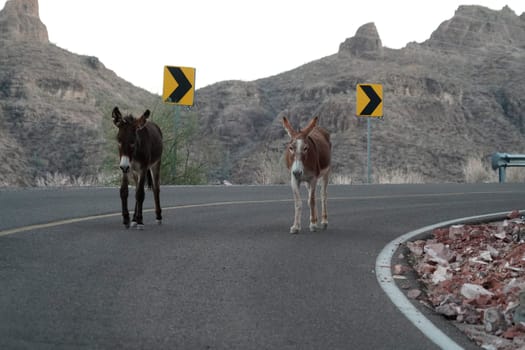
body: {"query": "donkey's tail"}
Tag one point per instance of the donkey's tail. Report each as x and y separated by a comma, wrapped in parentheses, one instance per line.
(149, 180)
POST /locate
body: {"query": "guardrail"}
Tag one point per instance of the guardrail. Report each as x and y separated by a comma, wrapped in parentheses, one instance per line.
(500, 162)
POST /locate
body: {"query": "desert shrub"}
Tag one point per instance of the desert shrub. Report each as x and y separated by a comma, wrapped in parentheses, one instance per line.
(477, 170)
(273, 169)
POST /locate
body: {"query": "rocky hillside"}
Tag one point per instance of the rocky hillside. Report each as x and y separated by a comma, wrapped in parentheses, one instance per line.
(458, 94)
(52, 102)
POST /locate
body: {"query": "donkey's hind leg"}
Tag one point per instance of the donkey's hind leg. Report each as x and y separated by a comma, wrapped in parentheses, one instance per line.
(311, 186)
(155, 185)
(324, 197)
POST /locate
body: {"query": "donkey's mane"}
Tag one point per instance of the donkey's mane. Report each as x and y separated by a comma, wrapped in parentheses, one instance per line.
(128, 119)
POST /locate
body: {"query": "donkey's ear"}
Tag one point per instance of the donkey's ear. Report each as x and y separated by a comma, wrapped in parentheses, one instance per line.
(142, 120)
(308, 129)
(117, 116)
(288, 127)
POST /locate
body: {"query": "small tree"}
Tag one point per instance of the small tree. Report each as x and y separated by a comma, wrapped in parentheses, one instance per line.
(187, 159)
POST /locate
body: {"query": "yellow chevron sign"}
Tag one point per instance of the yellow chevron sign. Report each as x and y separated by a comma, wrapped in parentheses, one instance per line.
(179, 85)
(369, 100)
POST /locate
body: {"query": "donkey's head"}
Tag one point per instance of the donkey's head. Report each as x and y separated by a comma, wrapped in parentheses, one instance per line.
(127, 137)
(299, 157)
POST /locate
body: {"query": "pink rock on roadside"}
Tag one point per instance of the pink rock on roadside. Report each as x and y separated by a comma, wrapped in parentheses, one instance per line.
(416, 247)
(456, 231)
(414, 293)
(513, 215)
(400, 269)
(474, 291)
(439, 253)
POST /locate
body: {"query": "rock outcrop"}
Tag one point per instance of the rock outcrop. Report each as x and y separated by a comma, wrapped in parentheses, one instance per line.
(365, 44)
(474, 27)
(20, 21)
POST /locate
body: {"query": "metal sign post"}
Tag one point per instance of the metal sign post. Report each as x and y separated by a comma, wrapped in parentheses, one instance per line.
(369, 103)
(368, 147)
(175, 122)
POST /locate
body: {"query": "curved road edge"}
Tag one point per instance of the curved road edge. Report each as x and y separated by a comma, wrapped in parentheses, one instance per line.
(117, 214)
(384, 276)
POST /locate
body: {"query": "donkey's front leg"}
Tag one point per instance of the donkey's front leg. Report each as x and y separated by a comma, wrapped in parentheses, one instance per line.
(139, 197)
(124, 199)
(296, 227)
(311, 186)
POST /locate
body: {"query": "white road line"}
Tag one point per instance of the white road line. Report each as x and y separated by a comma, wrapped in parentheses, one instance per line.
(102, 216)
(384, 277)
(54, 223)
(94, 217)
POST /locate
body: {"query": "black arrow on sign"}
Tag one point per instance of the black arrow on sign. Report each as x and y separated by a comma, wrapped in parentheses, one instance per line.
(184, 84)
(375, 100)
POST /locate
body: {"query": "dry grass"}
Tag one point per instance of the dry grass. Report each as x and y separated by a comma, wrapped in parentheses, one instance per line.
(478, 170)
(515, 175)
(57, 179)
(398, 176)
(273, 170)
(341, 179)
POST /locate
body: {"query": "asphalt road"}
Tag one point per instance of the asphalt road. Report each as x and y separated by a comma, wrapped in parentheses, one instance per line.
(221, 272)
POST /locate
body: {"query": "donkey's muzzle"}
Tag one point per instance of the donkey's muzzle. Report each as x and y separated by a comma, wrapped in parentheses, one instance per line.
(124, 164)
(125, 168)
(297, 174)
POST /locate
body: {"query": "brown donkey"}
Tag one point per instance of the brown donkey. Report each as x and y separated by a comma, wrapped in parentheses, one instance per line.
(308, 159)
(140, 150)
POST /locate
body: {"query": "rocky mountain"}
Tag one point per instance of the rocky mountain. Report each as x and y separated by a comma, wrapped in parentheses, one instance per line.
(53, 103)
(457, 95)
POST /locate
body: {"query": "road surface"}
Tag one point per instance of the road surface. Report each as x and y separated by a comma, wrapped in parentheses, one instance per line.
(221, 272)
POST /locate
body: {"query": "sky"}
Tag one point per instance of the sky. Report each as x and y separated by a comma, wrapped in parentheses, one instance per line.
(233, 39)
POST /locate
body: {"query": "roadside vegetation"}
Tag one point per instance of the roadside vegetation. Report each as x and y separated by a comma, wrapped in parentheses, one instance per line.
(189, 160)
(398, 176)
(477, 169)
(273, 170)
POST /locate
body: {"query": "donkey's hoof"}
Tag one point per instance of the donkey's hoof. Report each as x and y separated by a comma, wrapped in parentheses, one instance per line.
(324, 225)
(295, 229)
(313, 227)
(140, 227)
(126, 225)
(159, 222)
